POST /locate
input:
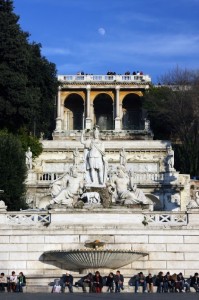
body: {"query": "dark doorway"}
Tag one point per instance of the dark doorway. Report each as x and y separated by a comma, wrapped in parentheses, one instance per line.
(132, 112)
(103, 110)
(74, 110)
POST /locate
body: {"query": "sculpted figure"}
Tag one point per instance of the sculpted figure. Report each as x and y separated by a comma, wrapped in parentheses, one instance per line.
(29, 159)
(95, 161)
(170, 158)
(76, 157)
(69, 194)
(194, 203)
(59, 184)
(123, 160)
(135, 196)
(119, 185)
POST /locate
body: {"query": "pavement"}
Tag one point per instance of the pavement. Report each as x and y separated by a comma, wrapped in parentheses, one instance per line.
(81, 296)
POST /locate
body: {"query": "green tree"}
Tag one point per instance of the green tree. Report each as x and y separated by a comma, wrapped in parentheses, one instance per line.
(28, 82)
(174, 114)
(13, 171)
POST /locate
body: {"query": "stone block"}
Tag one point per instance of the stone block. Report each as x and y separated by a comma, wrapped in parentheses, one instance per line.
(166, 256)
(183, 247)
(4, 256)
(191, 239)
(13, 247)
(102, 238)
(25, 255)
(43, 247)
(119, 246)
(135, 239)
(166, 239)
(143, 265)
(32, 239)
(41, 265)
(13, 265)
(192, 265)
(149, 247)
(52, 239)
(4, 240)
(191, 256)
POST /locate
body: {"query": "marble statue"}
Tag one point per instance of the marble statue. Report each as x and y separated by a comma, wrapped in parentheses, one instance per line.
(125, 190)
(194, 203)
(119, 185)
(76, 157)
(29, 159)
(135, 196)
(146, 124)
(170, 158)
(70, 190)
(123, 160)
(92, 197)
(95, 160)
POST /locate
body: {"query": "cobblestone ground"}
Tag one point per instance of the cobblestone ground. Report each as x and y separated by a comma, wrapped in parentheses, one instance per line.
(122, 296)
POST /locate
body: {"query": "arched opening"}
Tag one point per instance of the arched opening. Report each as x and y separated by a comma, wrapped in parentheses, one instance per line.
(132, 112)
(73, 112)
(103, 110)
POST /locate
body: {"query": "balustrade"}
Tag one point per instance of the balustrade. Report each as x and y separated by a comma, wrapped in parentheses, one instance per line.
(104, 78)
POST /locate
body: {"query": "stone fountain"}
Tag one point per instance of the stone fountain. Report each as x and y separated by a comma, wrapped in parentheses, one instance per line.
(94, 256)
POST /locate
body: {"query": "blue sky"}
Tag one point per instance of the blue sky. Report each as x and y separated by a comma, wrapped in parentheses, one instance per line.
(96, 36)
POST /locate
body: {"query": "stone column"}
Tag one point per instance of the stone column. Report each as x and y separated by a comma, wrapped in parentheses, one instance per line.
(58, 119)
(88, 104)
(117, 119)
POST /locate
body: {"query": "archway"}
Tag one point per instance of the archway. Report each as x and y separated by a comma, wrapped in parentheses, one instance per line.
(73, 112)
(103, 110)
(132, 112)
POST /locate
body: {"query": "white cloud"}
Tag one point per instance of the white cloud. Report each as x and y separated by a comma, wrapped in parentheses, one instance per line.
(55, 51)
(101, 31)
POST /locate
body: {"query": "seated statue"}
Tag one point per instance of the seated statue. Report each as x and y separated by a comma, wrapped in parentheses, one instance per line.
(135, 196)
(69, 192)
(119, 184)
(126, 191)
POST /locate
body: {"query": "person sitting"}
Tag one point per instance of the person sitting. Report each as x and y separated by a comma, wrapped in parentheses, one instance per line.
(159, 282)
(149, 283)
(21, 282)
(195, 282)
(3, 282)
(181, 285)
(12, 282)
(119, 282)
(140, 281)
(67, 281)
(110, 282)
(168, 286)
(87, 281)
(97, 282)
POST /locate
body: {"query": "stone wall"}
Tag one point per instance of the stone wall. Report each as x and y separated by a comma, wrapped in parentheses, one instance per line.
(171, 240)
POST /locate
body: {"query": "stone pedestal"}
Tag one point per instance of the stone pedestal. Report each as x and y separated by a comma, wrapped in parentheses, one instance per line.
(88, 123)
(117, 124)
(58, 125)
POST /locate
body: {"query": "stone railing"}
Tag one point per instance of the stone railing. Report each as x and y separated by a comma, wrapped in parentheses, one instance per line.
(148, 177)
(137, 177)
(177, 218)
(48, 177)
(27, 218)
(105, 78)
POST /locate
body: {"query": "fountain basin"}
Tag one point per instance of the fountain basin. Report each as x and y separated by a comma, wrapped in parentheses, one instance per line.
(77, 260)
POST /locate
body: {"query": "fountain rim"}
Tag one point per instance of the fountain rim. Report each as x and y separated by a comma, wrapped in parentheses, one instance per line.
(96, 250)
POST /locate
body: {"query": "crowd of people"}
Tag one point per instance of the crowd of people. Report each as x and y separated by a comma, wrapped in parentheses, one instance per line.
(13, 283)
(115, 282)
(165, 283)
